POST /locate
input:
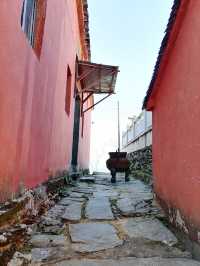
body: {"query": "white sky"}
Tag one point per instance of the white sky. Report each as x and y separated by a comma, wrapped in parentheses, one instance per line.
(126, 33)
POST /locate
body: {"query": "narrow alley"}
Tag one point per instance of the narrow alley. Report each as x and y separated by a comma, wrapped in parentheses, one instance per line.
(98, 223)
(99, 133)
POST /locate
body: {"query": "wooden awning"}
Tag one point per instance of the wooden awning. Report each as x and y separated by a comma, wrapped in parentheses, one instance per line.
(96, 79)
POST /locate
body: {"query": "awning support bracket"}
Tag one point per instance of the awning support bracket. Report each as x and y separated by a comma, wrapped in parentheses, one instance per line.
(97, 103)
(86, 98)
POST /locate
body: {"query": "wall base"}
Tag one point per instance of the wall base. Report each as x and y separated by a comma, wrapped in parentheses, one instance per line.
(184, 229)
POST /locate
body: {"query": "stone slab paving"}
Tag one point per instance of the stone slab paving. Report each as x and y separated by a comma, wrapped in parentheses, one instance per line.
(73, 212)
(81, 229)
(92, 237)
(99, 209)
(103, 192)
(132, 206)
(89, 179)
(52, 230)
(149, 228)
(131, 262)
(68, 201)
(77, 195)
(55, 212)
(47, 254)
(51, 225)
(45, 240)
(85, 191)
(49, 221)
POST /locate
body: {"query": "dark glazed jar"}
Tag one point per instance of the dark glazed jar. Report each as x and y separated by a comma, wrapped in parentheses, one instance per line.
(118, 161)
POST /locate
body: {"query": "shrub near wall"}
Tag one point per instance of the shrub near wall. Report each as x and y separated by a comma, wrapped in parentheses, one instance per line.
(141, 164)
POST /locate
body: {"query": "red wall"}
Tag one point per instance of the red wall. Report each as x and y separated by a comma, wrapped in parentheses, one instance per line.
(84, 143)
(35, 131)
(176, 122)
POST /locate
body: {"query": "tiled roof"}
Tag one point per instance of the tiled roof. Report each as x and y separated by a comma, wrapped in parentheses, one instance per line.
(171, 22)
(83, 20)
(86, 23)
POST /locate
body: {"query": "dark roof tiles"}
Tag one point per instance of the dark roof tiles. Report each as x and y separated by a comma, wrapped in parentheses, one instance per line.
(86, 25)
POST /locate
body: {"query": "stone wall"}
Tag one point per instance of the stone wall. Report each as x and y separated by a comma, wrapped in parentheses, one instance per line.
(141, 164)
(17, 213)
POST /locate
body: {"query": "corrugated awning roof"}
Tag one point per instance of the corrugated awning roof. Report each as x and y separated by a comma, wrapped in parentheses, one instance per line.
(97, 78)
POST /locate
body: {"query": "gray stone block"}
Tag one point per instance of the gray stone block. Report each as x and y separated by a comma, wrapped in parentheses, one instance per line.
(92, 237)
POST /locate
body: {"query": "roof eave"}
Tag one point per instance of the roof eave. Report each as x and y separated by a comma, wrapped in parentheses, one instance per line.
(83, 17)
(170, 36)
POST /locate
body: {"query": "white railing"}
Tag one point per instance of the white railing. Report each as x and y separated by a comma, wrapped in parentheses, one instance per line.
(139, 134)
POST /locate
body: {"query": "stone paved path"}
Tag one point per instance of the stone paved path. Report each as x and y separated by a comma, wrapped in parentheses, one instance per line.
(99, 223)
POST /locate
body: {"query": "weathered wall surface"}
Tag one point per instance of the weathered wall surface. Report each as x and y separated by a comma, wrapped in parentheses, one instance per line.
(35, 131)
(141, 164)
(176, 142)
